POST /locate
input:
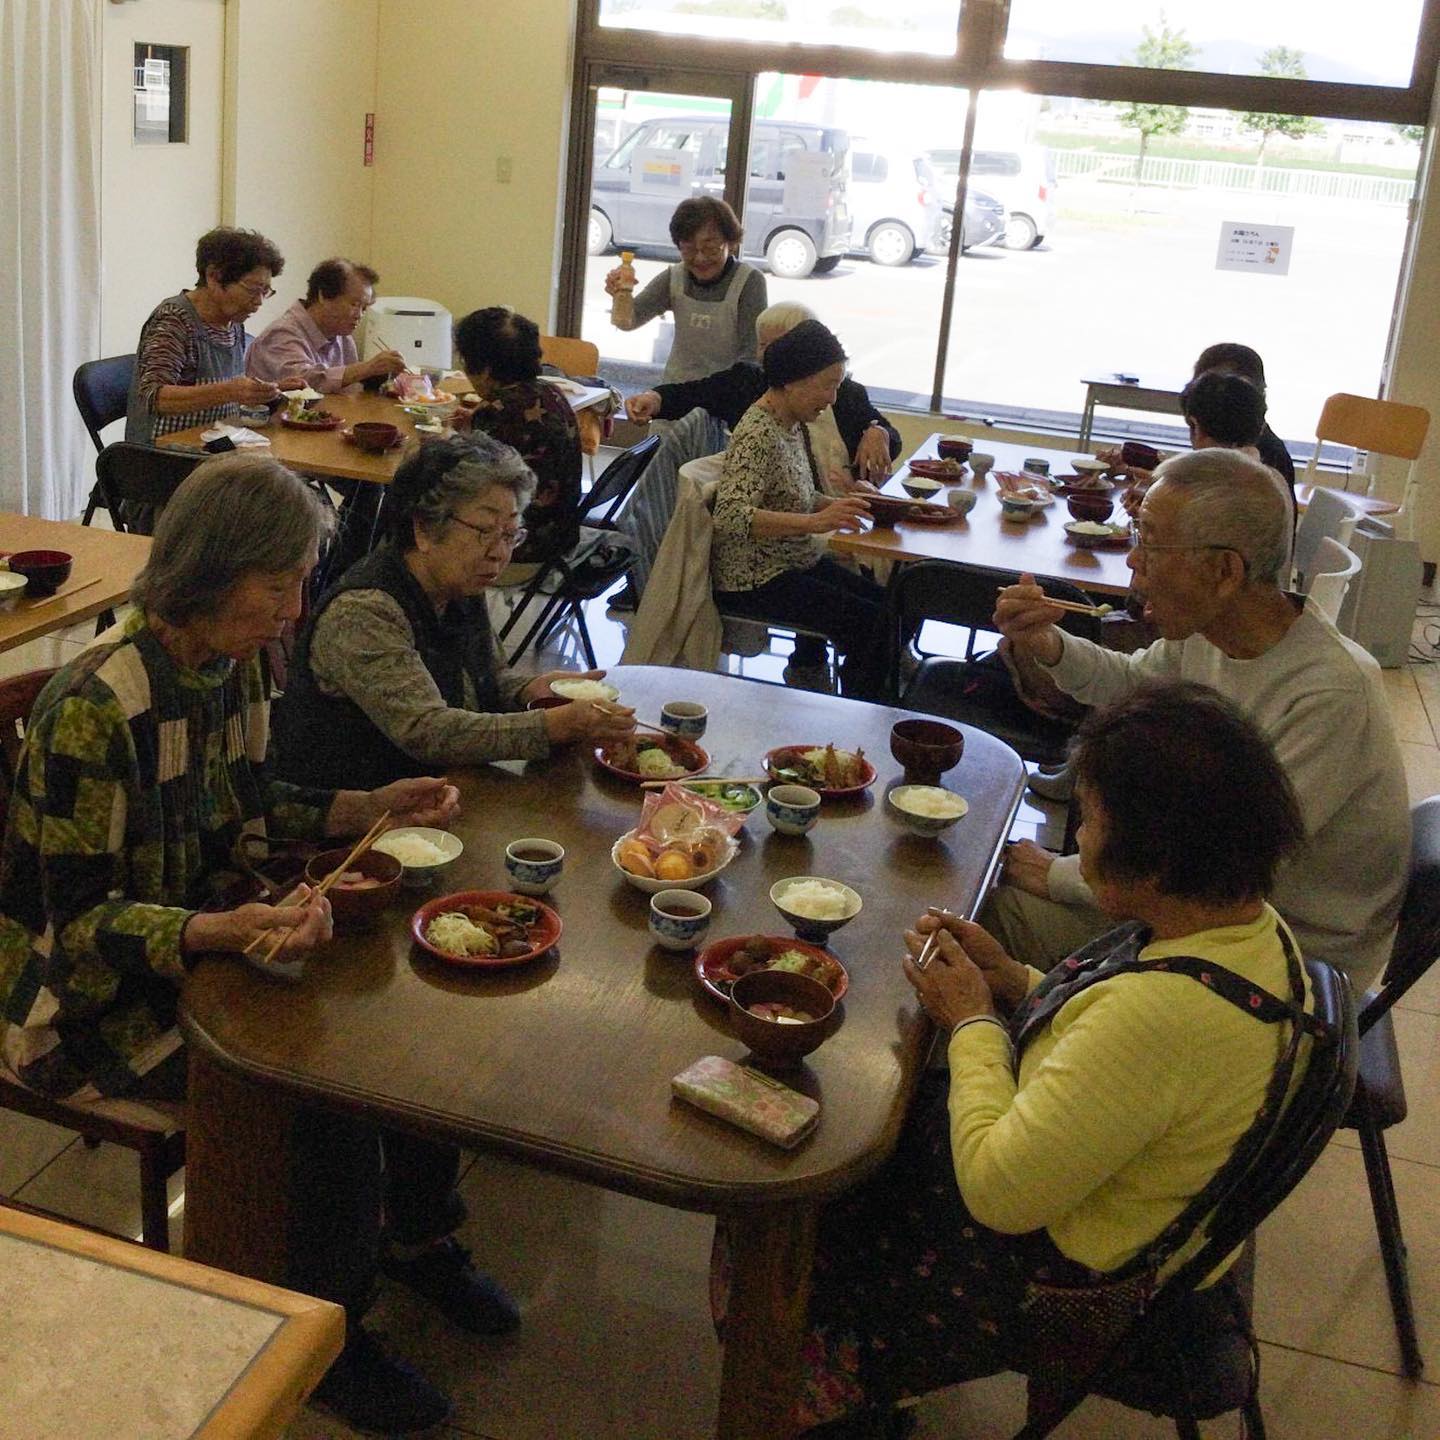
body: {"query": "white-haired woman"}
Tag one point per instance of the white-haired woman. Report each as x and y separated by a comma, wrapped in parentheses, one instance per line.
(142, 769)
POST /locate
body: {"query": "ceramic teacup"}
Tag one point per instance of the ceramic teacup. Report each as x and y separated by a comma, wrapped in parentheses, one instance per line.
(981, 463)
(792, 809)
(1035, 465)
(679, 919)
(534, 864)
(962, 501)
(685, 718)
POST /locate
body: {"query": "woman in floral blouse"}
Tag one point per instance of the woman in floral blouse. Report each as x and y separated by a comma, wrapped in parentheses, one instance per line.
(501, 353)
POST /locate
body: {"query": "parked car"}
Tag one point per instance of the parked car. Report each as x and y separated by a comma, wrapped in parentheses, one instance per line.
(896, 206)
(793, 244)
(1023, 177)
(985, 222)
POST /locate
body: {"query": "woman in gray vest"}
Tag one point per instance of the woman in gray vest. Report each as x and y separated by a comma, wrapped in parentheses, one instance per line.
(190, 362)
(714, 296)
(399, 657)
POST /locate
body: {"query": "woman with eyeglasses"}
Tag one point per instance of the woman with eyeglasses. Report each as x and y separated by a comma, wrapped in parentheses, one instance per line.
(190, 362)
(397, 672)
(714, 296)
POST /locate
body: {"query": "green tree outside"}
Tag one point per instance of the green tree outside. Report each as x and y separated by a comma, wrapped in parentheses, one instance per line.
(1160, 49)
(1285, 64)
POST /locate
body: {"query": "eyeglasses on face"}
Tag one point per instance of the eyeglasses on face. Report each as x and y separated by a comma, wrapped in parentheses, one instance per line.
(710, 250)
(258, 292)
(492, 535)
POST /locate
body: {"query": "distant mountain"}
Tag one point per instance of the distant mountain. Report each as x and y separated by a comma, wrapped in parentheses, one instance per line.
(1227, 57)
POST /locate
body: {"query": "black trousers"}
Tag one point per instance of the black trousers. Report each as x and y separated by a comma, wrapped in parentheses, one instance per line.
(831, 599)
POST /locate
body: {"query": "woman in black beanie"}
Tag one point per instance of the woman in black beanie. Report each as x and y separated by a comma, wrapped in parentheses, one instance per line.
(768, 559)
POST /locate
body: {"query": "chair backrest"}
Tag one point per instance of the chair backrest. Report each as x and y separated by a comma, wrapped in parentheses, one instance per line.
(1417, 938)
(102, 391)
(1330, 576)
(704, 470)
(141, 475)
(1330, 512)
(1383, 427)
(18, 694)
(1317, 1105)
(609, 493)
(574, 357)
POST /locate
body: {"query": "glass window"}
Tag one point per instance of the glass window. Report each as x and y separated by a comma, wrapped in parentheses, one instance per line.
(160, 86)
(1117, 268)
(1296, 38)
(926, 27)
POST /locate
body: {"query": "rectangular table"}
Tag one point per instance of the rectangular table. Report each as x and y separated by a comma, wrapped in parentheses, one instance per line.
(984, 541)
(566, 1063)
(1110, 390)
(102, 1337)
(114, 560)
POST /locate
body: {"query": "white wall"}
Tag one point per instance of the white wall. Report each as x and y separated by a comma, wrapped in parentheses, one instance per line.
(156, 200)
(299, 81)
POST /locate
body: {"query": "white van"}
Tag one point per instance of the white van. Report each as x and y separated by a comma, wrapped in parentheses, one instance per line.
(1022, 176)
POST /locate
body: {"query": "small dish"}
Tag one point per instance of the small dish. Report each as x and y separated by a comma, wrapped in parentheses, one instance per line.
(546, 930)
(926, 749)
(45, 571)
(920, 487)
(579, 689)
(782, 1043)
(681, 752)
(679, 919)
(373, 435)
(653, 885)
(728, 794)
(783, 755)
(1098, 535)
(904, 797)
(418, 876)
(714, 964)
(318, 420)
(11, 584)
(815, 928)
(354, 907)
(792, 809)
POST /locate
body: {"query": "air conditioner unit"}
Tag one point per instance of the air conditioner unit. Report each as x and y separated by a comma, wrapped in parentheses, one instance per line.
(1379, 607)
(419, 329)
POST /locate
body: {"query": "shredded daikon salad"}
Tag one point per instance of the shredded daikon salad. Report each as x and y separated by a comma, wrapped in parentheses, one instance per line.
(457, 934)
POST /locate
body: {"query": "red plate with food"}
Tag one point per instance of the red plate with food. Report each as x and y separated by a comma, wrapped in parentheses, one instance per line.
(826, 769)
(718, 966)
(948, 469)
(1068, 485)
(673, 758)
(886, 510)
(491, 930)
(348, 433)
(440, 397)
(315, 420)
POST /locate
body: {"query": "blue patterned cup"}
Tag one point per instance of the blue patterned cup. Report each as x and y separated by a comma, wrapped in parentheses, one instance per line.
(962, 501)
(685, 718)
(792, 809)
(534, 865)
(679, 919)
(1034, 465)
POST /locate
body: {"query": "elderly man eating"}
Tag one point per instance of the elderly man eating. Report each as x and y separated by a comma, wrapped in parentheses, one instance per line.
(314, 341)
(1210, 561)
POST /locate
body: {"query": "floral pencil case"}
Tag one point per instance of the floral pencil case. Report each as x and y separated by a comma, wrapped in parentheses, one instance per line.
(748, 1099)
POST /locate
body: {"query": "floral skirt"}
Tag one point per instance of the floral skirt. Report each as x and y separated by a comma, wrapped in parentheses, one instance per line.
(909, 1292)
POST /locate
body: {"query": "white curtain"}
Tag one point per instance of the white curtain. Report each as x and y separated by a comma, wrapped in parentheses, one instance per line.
(49, 248)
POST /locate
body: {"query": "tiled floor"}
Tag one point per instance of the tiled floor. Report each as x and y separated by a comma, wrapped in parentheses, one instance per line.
(617, 1343)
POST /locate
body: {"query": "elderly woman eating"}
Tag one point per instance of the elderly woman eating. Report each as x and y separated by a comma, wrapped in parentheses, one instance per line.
(190, 362)
(399, 657)
(1087, 1110)
(767, 560)
(141, 775)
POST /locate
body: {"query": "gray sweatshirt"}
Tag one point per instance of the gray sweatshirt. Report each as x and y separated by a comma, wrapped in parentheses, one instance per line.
(1319, 699)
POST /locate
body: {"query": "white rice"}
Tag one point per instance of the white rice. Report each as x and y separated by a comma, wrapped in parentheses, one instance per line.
(456, 934)
(413, 851)
(584, 689)
(816, 900)
(931, 801)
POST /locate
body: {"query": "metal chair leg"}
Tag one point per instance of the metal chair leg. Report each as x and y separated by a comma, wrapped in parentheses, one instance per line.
(1254, 1420)
(1387, 1225)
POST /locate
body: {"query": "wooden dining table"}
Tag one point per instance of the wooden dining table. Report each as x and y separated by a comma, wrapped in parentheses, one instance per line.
(983, 540)
(105, 568)
(566, 1063)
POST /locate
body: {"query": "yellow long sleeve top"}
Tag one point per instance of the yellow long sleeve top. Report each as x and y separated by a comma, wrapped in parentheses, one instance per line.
(1126, 1103)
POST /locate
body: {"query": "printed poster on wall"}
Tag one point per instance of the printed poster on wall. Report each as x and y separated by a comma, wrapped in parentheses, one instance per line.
(1255, 249)
(668, 173)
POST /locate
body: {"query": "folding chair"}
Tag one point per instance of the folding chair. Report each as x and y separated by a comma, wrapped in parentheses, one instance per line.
(137, 481)
(155, 1130)
(574, 357)
(1378, 427)
(102, 393)
(1380, 1096)
(1192, 1355)
(593, 565)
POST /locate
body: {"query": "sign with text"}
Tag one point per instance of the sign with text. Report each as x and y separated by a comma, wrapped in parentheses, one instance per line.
(1255, 249)
(669, 173)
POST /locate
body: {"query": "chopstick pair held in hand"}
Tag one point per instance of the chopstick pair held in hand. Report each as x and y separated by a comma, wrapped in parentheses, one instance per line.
(360, 847)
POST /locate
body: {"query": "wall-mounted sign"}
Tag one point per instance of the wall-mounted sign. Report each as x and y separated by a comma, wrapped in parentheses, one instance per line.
(1255, 249)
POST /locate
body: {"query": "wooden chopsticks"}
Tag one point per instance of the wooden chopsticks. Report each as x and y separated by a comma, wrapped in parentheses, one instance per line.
(55, 599)
(1074, 606)
(927, 950)
(605, 709)
(707, 779)
(361, 846)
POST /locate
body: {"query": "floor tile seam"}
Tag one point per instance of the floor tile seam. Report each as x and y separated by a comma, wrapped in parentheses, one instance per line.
(1354, 1144)
(76, 1140)
(1335, 1360)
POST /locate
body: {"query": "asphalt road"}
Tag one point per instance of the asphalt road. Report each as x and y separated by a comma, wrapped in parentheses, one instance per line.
(1125, 283)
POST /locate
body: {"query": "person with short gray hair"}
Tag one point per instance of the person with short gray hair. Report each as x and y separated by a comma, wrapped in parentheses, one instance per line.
(399, 656)
(1209, 561)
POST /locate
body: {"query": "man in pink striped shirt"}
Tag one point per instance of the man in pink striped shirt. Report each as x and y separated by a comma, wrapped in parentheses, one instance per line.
(313, 340)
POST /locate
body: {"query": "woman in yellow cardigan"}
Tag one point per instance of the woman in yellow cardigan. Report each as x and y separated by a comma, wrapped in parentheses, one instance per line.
(1086, 1109)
